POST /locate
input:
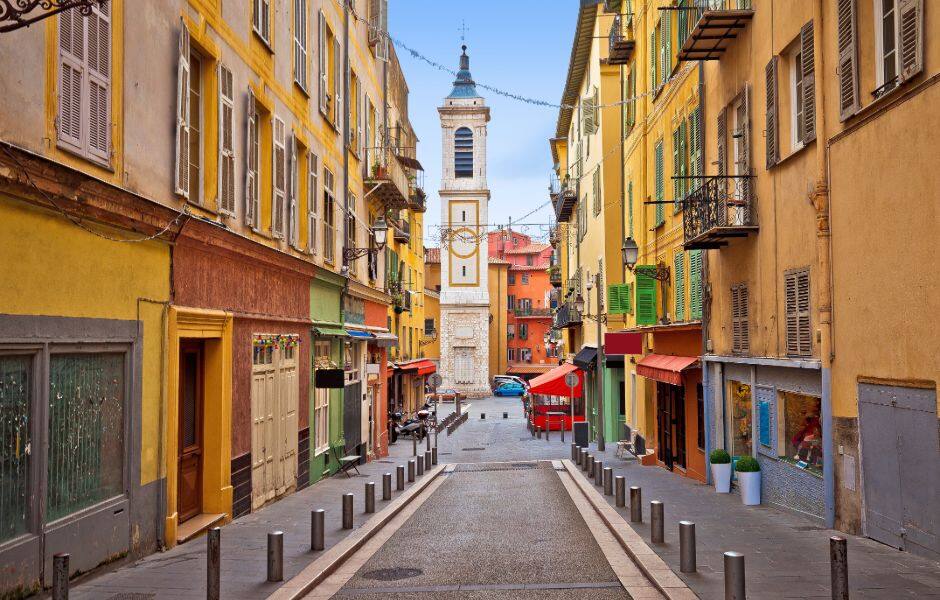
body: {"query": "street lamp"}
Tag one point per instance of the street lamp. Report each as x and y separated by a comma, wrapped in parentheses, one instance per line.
(379, 236)
(630, 252)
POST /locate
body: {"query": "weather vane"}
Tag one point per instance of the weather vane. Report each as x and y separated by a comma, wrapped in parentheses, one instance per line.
(463, 30)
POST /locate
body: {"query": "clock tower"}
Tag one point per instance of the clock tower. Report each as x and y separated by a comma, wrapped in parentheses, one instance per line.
(465, 299)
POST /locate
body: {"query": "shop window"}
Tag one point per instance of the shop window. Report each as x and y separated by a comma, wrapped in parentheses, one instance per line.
(321, 405)
(86, 431)
(16, 384)
(740, 409)
(801, 443)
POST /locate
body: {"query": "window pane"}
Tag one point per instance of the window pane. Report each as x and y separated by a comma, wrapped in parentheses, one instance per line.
(740, 419)
(802, 442)
(15, 387)
(86, 431)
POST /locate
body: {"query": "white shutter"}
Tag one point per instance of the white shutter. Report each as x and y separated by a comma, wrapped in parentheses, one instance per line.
(300, 43)
(98, 48)
(848, 58)
(381, 46)
(226, 190)
(361, 106)
(71, 73)
(911, 39)
(256, 14)
(313, 211)
(293, 227)
(251, 164)
(324, 67)
(338, 78)
(279, 179)
(182, 114)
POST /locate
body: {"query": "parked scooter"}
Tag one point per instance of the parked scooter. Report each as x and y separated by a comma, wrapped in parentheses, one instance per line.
(415, 427)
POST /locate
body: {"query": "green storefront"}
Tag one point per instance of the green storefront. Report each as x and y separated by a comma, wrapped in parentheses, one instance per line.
(326, 404)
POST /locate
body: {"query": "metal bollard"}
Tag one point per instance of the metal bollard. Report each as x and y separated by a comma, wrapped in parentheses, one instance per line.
(427, 441)
(427, 460)
(420, 463)
(839, 567)
(60, 576)
(434, 455)
(482, 416)
(657, 522)
(538, 432)
(387, 486)
(687, 547)
(317, 529)
(414, 445)
(532, 429)
(608, 481)
(276, 556)
(636, 504)
(582, 458)
(734, 576)
(370, 497)
(400, 477)
(547, 430)
(505, 415)
(620, 485)
(563, 433)
(598, 472)
(347, 511)
(574, 452)
(213, 563)
(589, 466)
(411, 470)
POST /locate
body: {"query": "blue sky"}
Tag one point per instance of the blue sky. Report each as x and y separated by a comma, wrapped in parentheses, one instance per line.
(520, 46)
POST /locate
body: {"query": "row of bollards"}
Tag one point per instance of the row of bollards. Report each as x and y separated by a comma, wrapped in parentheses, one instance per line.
(733, 561)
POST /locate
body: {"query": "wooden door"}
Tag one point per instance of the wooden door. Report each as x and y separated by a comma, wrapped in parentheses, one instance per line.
(263, 438)
(288, 391)
(189, 451)
(679, 417)
(664, 420)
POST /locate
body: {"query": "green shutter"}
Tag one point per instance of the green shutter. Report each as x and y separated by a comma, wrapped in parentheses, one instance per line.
(660, 184)
(667, 45)
(653, 50)
(679, 287)
(630, 208)
(676, 159)
(613, 300)
(695, 284)
(645, 295)
(626, 298)
(683, 164)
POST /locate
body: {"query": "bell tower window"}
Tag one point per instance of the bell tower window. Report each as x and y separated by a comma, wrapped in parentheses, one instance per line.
(463, 152)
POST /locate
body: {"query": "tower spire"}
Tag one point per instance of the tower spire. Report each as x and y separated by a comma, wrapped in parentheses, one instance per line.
(464, 86)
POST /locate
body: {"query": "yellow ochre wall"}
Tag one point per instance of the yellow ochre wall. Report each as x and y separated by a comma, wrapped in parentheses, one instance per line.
(499, 307)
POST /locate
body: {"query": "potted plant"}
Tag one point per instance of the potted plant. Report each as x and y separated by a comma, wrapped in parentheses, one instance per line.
(748, 470)
(721, 470)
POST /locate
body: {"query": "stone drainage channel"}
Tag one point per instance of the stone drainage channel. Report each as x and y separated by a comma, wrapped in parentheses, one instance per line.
(532, 529)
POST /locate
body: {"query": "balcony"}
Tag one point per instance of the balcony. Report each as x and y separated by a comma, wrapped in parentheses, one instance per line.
(721, 208)
(388, 178)
(620, 40)
(707, 28)
(554, 275)
(533, 313)
(402, 231)
(567, 316)
(417, 198)
(564, 195)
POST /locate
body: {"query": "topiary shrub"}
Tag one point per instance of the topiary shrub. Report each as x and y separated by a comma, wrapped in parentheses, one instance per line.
(719, 457)
(747, 464)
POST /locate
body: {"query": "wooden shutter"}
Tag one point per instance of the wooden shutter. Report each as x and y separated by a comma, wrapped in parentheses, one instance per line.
(660, 183)
(619, 301)
(772, 134)
(300, 43)
(338, 78)
(676, 160)
(256, 14)
(324, 66)
(251, 163)
(699, 157)
(911, 39)
(667, 45)
(798, 317)
(645, 295)
(626, 297)
(695, 284)
(293, 224)
(313, 210)
(630, 209)
(98, 50)
(721, 149)
(278, 179)
(740, 326)
(807, 45)
(653, 50)
(679, 287)
(182, 114)
(745, 158)
(597, 191)
(226, 191)
(848, 58)
(71, 73)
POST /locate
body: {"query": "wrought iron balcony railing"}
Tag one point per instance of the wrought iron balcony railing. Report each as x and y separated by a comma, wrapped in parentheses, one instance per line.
(387, 177)
(533, 312)
(402, 231)
(620, 40)
(567, 316)
(721, 207)
(564, 195)
(707, 28)
(554, 275)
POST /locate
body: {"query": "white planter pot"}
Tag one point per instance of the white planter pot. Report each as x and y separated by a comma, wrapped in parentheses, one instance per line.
(721, 475)
(750, 487)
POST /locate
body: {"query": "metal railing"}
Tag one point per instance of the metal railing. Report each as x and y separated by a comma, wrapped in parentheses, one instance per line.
(620, 43)
(720, 202)
(566, 316)
(554, 275)
(385, 169)
(690, 12)
(533, 312)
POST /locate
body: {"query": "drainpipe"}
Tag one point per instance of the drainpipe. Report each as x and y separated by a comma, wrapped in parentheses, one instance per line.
(345, 134)
(823, 266)
(707, 396)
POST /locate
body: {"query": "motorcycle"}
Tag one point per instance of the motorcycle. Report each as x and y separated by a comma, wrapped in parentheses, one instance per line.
(416, 427)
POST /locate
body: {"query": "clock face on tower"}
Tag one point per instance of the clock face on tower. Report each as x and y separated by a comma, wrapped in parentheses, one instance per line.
(464, 244)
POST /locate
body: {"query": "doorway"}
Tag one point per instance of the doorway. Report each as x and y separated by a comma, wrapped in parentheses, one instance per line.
(670, 425)
(190, 438)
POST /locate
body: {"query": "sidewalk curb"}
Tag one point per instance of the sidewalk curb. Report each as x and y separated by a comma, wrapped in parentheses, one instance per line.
(647, 561)
(316, 572)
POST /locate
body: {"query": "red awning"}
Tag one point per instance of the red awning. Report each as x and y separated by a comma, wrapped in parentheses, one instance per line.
(553, 382)
(418, 367)
(665, 367)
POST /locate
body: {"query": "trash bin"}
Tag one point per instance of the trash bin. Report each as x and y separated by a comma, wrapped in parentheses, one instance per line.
(581, 433)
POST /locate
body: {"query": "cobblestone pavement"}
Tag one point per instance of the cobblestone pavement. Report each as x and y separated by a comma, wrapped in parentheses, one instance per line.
(787, 555)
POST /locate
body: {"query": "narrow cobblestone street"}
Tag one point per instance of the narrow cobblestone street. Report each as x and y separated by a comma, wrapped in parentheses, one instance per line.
(488, 533)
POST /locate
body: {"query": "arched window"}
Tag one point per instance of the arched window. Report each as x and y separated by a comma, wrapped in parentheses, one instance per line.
(463, 153)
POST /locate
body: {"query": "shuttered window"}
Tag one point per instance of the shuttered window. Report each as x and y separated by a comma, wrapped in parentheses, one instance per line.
(667, 45)
(645, 295)
(807, 52)
(899, 28)
(328, 216)
(679, 287)
(293, 189)
(182, 186)
(660, 184)
(848, 58)
(619, 299)
(84, 112)
(338, 76)
(226, 191)
(798, 317)
(324, 41)
(313, 211)
(653, 53)
(300, 43)
(771, 135)
(721, 150)
(278, 179)
(252, 164)
(630, 209)
(597, 192)
(695, 285)
(911, 37)
(261, 19)
(740, 325)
